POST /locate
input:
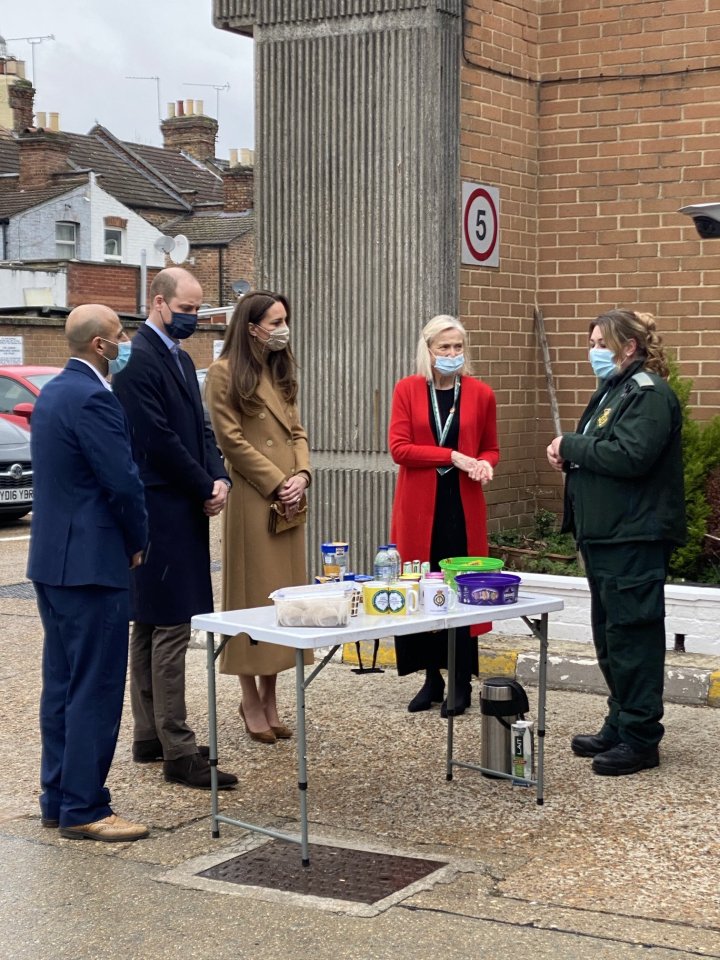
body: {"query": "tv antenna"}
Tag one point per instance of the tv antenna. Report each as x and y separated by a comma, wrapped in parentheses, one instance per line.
(157, 83)
(33, 41)
(217, 88)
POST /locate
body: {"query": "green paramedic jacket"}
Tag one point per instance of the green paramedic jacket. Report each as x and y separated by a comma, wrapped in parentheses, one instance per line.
(624, 463)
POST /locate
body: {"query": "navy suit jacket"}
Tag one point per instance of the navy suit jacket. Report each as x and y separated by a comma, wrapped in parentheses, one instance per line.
(88, 515)
(179, 463)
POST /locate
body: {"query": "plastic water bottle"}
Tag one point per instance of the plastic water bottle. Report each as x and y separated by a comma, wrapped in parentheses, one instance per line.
(395, 560)
(383, 565)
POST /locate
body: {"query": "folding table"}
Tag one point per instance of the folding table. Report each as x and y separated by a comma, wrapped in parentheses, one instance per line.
(260, 624)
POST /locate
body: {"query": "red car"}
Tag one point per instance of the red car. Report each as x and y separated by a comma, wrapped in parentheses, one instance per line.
(19, 388)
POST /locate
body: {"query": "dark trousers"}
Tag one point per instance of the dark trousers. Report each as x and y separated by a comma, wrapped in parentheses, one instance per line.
(84, 663)
(627, 591)
(157, 687)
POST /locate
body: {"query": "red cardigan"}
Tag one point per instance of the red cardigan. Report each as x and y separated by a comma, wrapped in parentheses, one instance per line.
(413, 447)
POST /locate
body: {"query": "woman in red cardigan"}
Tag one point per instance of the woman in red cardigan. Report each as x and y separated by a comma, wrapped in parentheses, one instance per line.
(443, 436)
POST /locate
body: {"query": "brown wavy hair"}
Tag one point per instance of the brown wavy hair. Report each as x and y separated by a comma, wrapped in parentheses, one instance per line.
(247, 358)
(620, 326)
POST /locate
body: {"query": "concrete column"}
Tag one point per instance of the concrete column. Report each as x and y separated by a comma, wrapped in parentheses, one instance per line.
(356, 173)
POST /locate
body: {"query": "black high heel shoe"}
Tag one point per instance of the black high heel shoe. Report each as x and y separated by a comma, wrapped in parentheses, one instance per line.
(463, 696)
(432, 691)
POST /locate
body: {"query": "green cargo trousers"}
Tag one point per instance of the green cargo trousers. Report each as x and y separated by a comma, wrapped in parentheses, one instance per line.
(627, 591)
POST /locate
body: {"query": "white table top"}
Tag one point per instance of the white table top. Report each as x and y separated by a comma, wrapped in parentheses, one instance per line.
(259, 623)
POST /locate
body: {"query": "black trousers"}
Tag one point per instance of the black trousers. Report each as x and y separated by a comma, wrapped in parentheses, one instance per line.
(627, 591)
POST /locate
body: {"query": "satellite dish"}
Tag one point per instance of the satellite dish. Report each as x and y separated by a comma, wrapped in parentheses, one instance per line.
(164, 243)
(181, 249)
(240, 288)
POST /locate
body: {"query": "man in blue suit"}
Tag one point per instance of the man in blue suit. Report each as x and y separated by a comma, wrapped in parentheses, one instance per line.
(185, 484)
(89, 528)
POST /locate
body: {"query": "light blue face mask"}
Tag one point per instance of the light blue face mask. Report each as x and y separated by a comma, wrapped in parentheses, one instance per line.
(449, 365)
(603, 362)
(123, 355)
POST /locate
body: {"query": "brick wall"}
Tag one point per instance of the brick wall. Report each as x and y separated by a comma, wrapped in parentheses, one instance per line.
(499, 146)
(595, 135)
(115, 285)
(217, 267)
(44, 339)
(238, 189)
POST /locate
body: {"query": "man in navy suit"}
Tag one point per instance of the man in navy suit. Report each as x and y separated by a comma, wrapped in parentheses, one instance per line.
(89, 527)
(185, 484)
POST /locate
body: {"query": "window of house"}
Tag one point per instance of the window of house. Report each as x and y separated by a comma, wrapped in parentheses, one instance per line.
(66, 237)
(113, 243)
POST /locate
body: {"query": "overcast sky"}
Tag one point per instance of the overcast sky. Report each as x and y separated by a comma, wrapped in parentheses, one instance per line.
(81, 73)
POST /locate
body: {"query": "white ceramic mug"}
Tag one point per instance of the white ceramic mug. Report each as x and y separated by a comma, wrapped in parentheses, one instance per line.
(437, 597)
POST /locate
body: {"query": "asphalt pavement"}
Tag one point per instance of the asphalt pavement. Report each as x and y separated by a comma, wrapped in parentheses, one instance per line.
(606, 868)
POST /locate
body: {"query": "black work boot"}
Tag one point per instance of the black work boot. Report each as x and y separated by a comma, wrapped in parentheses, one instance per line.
(432, 691)
(623, 759)
(590, 744)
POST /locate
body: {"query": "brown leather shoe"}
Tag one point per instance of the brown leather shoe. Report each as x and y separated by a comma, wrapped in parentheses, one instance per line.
(112, 829)
(262, 736)
(282, 732)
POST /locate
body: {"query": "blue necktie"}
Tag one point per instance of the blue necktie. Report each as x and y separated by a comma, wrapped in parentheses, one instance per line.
(175, 351)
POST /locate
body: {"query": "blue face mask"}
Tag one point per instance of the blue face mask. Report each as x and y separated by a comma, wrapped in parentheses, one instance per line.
(603, 362)
(123, 355)
(182, 325)
(449, 365)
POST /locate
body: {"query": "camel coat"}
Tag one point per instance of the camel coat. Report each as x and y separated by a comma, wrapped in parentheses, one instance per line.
(261, 451)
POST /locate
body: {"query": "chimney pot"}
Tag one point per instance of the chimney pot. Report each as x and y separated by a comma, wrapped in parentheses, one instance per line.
(180, 108)
(41, 120)
(54, 121)
(200, 107)
(171, 110)
(188, 108)
(233, 158)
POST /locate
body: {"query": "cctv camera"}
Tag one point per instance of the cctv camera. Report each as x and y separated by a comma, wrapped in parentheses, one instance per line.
(706, 217)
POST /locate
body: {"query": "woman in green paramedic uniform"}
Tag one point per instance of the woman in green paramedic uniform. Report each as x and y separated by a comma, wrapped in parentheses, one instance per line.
(625, 504)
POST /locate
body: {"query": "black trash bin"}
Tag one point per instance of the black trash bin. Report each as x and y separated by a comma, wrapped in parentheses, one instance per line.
(502, 701)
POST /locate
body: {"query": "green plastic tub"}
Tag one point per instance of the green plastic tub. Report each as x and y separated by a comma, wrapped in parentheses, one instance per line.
(454, 565)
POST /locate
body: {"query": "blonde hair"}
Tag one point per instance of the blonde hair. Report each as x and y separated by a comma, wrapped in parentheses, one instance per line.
(620, 326)
(432, 329)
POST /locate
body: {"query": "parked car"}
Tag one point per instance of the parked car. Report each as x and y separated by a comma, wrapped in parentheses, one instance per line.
(16, 476)
(19, 389)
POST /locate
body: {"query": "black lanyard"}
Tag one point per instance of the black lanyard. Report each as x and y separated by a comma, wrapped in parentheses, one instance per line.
(443, 430)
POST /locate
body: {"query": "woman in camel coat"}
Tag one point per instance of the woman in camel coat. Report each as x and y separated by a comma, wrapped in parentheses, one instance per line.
(251, 395)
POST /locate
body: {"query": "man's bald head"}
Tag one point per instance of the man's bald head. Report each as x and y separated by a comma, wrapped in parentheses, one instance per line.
(166, 282)
(87, 322)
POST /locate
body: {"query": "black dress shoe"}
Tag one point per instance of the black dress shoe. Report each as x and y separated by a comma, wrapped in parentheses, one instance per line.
(150, 751)
(463, 694)
(194, 771)
(429, 693)
(590, 744)
(622, 759)
(51, 822)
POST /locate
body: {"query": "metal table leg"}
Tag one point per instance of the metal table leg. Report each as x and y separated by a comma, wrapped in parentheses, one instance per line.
(450, 702)
(212, 732)
(301, 753)
(542, 683)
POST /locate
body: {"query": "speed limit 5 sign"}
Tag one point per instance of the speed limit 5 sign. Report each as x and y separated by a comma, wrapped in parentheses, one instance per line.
(480, 225)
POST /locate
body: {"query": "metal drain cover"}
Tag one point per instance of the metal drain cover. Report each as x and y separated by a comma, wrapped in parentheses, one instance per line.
(335, 872)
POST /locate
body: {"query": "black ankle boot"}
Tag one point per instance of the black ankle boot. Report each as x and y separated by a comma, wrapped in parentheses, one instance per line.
(432, 691)
(463, 694)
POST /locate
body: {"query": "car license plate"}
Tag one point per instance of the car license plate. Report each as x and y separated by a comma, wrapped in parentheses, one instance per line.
(16, 495)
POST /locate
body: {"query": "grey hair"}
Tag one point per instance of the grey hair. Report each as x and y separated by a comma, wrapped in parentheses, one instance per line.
(434, 327)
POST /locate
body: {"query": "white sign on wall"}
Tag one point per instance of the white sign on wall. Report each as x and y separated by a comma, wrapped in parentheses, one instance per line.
(480, 225)
(217, 348)
(11, 351)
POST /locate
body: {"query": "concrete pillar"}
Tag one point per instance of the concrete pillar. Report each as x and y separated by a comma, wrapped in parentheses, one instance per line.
(356, 174)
